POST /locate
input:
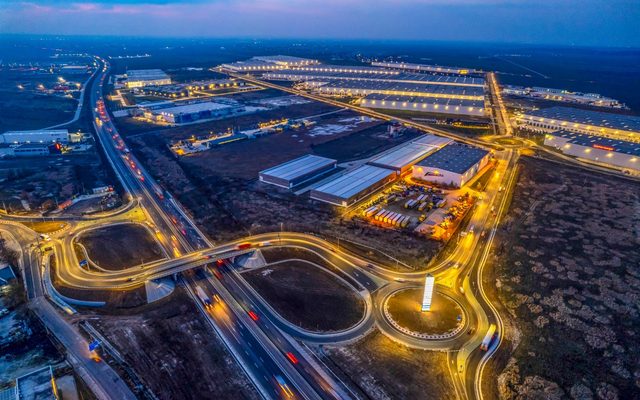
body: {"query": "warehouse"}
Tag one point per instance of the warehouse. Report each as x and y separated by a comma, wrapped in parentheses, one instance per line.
(454, 165)
(402, 157)
(603, 150)
(363, 88)
(432, 140)
(614, 126)
(268, 63)
(298, 171)
(34, 149)
(190, 112)
(328, 73)
(425, 68)
(354, 185)
(147, 77)
(40, 136)
(470, 108)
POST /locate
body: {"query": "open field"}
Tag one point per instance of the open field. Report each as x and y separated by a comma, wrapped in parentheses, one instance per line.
(567, 273)
(40, 183)
(405, 308)
(297, 290)
(175, 353)
(120, 246)
(46, 226)
(383, 369)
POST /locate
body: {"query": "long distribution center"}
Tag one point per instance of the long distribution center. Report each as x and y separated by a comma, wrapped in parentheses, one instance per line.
(298, 171)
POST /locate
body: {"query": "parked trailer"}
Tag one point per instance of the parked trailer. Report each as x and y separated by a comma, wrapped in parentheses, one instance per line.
(398, 222)
(441, 203)
(422, 206)
(370, 211)
(389, 217)
(488, 338)
(203, 297)
(380, 216)
(405, 222)
(393, 218)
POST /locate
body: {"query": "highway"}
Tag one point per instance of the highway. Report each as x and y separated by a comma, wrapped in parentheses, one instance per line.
(261, 344)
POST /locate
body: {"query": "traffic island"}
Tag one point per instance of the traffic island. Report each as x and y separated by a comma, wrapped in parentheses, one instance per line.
(403, 310)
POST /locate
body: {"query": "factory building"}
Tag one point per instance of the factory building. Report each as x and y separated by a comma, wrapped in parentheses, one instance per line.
(40, 136)
(454, 165)
(298, 171)
(614, 152)
(425, 68)
(287, 61)
(402, 158)
(595, 123)
(147, 77)
(186, 89)
(35, 149)
(458, 107)
(353, 185)
(187, 113)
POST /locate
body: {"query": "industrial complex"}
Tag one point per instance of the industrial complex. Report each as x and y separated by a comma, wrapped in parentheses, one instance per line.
(268, 63)
(595, 123)
(619, 153)
(353, 185)
(188, 113)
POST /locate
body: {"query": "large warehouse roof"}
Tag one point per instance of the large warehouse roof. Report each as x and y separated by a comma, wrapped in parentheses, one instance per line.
(400, 88)
(424, 67)
(298, 167)
(434, 104)
(192, 108)
(146, 74)
(401, 156)
(601, 143)
(328, 72)
(432, 140)
(457, 158)
(355, 181)
(586, 117)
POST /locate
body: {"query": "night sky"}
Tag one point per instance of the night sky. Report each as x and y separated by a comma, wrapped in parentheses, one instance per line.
(567, 22)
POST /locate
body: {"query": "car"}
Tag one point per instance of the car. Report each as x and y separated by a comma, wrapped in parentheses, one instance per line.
(131, 279)
(253, 316)
(292, 358)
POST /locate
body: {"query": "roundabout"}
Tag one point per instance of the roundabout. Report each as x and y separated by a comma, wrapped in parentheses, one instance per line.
(445, 320)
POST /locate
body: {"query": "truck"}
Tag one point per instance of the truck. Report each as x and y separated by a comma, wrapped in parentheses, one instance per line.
(441, 203)
(203, 297)
(422, 206)
(405, 222)
(283, 385)
(488, 338)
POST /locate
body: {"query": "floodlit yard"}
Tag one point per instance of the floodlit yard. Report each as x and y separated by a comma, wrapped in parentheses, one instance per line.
(567, 270)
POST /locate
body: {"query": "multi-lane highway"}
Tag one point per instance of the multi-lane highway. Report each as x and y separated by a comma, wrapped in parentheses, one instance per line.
(260, 340)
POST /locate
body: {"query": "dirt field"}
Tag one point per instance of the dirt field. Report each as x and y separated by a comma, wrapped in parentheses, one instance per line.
(383, 369)
(567, 271)
(175, 353)
(297, 290)
(120, 246)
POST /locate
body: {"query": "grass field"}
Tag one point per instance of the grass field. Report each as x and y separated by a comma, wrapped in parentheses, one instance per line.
(298, 290)
(405, 308)
(567, 274)
(120, 246)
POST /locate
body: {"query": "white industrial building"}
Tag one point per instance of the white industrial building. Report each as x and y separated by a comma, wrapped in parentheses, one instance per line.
(457, 107)
(618, 153)
(353, 185)
(595, 123)
(298, 171)
(425, 68)
(268, 63)
(455, 165)
(40, 136)
(187, 113)
(401, 158)
(147, 77)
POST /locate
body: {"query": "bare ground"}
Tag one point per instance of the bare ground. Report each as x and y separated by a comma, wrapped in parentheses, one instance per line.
(567, 272)
(383, 369)
(120, 246)
(176, 353)
(297, 290)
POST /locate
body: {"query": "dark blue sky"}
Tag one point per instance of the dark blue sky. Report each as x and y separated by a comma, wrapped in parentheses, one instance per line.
(573, 22)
